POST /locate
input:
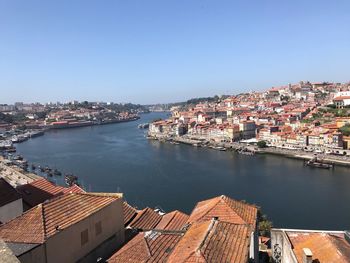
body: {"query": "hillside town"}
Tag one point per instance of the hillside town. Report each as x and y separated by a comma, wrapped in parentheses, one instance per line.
(303, 117)
(42, 221)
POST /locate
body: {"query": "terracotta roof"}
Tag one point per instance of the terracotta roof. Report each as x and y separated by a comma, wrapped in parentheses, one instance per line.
(8, 194)
(342, 98)
(151, 246)
(146, 219)
(325, 247)
(44, 220)
(129, 213)
(175, 220)
(225, 209)
(213, 241)
(41, 190)
(28, 228)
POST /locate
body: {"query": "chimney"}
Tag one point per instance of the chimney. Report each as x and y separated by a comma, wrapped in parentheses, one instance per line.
(307, 255)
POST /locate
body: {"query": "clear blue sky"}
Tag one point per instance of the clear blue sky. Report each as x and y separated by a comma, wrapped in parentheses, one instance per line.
(150, 51)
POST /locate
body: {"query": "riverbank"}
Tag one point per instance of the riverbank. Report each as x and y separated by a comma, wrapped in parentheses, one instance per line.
(118, 158)
(15, 136)
(246, 149)
(306, 156)
(15, 175)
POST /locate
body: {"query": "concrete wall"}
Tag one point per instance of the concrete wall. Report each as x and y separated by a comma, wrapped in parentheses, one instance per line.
(36, 255)
(11, 210)
(66, 245)
(280, 245)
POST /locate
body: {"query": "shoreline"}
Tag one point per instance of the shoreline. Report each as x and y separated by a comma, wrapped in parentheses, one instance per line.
(305, 156)
(235, 146)
(18, 175)
(89, 124)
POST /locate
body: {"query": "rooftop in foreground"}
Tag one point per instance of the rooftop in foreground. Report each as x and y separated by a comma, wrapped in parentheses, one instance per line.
(43, 221)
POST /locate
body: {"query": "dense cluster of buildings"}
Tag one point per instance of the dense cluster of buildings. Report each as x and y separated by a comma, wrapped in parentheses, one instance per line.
(58, 115)
(300, 116)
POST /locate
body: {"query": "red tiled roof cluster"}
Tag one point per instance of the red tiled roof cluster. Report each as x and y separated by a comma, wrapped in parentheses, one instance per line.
(175, 220)
(213, 241)
(146, 219)
(41, 190)
(218, 230)
(129, 213)
(50, 217)
(226, 209)
(151, 246)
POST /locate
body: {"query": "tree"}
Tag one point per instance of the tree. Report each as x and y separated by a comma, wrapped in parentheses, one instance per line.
(262, 144)
(265, 227)
(345, 130)
(264, 224)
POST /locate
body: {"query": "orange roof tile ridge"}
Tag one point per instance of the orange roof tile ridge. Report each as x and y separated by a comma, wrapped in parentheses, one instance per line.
(213, 223)
(174, 214)
(213, 206)
(43, 220)
(226, 198)
(141, 214)
(100, 194)
(167, 232)
(147, 245)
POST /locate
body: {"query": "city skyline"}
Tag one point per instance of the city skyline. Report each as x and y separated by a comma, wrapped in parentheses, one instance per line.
(161, 53)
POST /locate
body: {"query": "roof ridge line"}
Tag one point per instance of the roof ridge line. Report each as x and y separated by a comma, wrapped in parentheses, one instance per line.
(170, 219)
(165, 231)
(218, 200)
(139, 215)
(44, 221)
(210, 228)
(148, 246)
(241, 203)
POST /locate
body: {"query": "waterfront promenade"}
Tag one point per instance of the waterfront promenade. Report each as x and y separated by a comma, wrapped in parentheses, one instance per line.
(290, 153)
(14, 175)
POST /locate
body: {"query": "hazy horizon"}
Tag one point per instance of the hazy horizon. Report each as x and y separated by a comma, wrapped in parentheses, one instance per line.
(162, 52)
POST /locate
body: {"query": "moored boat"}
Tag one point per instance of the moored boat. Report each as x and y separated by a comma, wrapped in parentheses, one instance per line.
(319, 164)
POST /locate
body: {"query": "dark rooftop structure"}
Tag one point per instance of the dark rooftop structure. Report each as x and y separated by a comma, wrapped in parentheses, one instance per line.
(8, 194)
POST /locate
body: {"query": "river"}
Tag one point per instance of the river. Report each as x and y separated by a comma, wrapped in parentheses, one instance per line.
(118, 158)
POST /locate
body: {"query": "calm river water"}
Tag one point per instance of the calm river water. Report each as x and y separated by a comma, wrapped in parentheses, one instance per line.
(118, 158)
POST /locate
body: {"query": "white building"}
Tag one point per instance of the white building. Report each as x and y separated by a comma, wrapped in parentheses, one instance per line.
(342, 99)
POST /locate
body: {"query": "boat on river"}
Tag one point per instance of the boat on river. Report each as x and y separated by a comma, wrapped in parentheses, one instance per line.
(250, 153)
(319, 164)
(57, 172)
(143, 126)
(219, 148)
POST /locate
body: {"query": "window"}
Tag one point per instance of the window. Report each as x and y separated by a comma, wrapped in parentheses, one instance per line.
(98, 228)
(84, 237)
